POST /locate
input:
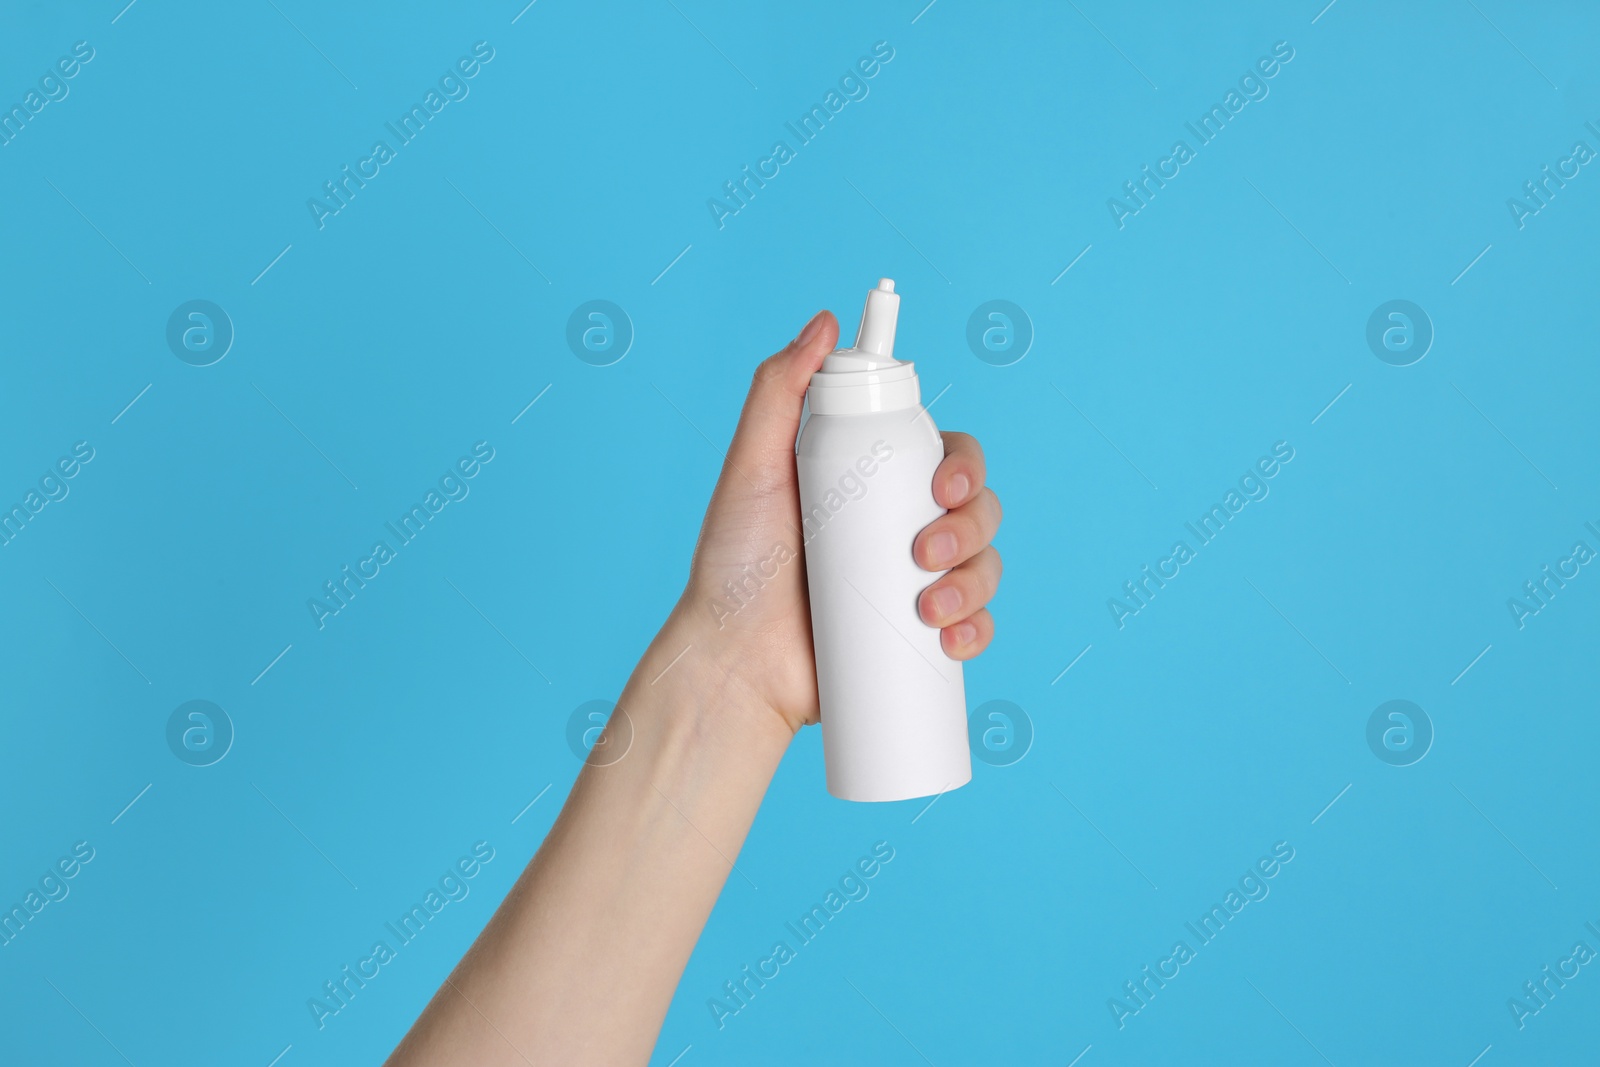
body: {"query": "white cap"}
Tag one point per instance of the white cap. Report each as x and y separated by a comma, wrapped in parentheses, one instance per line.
(866, 377)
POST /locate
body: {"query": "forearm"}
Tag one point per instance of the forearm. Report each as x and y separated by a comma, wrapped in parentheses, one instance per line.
(580, 962)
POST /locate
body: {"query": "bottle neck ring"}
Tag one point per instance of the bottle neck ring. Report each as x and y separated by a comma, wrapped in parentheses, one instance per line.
(893, 388)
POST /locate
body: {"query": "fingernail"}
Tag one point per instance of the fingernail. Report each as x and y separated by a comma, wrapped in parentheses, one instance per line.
(942, 549)
(811, 329)
(960, 486)
(946, 601)
(965, 633)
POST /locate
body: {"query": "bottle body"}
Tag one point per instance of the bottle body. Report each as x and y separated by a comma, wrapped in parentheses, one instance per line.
(893, 704)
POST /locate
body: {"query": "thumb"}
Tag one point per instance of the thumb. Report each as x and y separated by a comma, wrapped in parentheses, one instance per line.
(763, 444)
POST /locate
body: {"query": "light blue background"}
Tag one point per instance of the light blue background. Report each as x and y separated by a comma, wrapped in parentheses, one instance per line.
(1223, 318)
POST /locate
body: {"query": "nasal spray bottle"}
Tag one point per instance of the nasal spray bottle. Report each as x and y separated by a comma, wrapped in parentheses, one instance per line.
(893, 704)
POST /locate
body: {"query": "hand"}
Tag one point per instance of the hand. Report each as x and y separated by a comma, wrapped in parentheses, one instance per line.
(746, 597)
(634, 864)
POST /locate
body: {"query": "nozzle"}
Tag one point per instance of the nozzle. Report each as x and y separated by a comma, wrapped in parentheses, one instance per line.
(866, 377)
(878, 320)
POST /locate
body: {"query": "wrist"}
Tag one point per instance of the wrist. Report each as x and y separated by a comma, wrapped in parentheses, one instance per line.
(694, 675)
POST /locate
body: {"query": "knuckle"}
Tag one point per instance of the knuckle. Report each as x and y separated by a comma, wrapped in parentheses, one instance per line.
(988, 579)
(994, 504)
(764, 371)
(963, 446)
(971, 534)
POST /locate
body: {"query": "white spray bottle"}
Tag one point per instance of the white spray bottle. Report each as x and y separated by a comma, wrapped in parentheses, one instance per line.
(894, 723)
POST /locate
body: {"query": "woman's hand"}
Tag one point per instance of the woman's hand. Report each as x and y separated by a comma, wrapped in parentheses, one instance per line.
(757, 624)
(647, 839)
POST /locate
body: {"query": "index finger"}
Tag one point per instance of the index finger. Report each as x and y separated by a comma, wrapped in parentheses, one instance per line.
(960, 474)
